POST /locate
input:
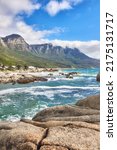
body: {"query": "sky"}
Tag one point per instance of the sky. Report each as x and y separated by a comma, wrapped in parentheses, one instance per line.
(73, 23)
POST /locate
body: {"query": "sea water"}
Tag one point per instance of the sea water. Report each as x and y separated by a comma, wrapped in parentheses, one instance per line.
(24, 101)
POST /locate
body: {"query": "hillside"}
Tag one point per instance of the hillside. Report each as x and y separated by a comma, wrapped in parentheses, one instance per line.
(14, 57)
(14, 50)
(69, 56)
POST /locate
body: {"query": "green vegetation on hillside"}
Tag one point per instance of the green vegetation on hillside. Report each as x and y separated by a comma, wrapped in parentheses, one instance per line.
(15, 57)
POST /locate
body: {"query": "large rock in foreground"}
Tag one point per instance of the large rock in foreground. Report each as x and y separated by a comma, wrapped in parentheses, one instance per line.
(92, 102)
(73, 138)
(20, 136)
(56, 128)
(67, 113)
(66, 136)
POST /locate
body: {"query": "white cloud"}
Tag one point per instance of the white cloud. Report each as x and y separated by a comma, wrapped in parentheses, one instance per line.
(11, 20)
(32, 36)
(90, 48)
(14, 7)
(54, 7)
(10, 12)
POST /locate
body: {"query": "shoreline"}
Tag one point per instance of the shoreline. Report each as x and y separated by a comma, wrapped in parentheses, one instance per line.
(32, 75)
(24, 76)
(62, 127)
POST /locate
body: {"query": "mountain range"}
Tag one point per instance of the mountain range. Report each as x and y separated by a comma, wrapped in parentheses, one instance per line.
(14, 50)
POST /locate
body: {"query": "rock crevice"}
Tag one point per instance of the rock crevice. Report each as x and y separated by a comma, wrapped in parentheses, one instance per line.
(44, 136)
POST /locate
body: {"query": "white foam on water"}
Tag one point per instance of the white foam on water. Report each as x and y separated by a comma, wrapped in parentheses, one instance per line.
(64, 96)
(29, 113)
(88, 74)
(63, 86)
(7, 91)
(48, 93)
(78, 95)
(44, 88)
(13, 118)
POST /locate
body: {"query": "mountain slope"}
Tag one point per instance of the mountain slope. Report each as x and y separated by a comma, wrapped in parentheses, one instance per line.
(73, 57)
(14, 50)
(14, 57)
(15, 41)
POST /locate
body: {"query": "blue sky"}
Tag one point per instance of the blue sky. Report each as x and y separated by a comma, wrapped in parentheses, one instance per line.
(82, 22)
(73, 23)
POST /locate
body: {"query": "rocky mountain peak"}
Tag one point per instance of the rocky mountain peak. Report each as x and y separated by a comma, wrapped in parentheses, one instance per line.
(16, 41)
(13, 36)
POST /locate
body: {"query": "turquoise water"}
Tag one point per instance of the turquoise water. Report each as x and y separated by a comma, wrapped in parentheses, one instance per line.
(24, 101)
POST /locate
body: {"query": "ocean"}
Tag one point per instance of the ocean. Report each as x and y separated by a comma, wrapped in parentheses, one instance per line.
(24, 101)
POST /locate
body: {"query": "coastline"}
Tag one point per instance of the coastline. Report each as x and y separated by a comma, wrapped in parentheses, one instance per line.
(65, 127)
(31, 75)
(56, 128)
(24, 76)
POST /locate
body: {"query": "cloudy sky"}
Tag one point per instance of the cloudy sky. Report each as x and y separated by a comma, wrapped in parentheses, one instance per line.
(73, 23)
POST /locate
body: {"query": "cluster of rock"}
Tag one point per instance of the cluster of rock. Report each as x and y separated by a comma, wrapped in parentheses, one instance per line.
(24, 77)
(57, 128)
(19, 78)
(98, 77)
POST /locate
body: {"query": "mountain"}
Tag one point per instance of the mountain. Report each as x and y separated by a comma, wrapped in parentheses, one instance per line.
(15, 41)
(15, 50)
(69, 56)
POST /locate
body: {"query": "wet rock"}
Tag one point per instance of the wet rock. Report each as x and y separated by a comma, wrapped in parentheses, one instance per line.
(98, 77)
(71, 74)
(26, 80)
(62, 73)
(92, 102)
(20, 78)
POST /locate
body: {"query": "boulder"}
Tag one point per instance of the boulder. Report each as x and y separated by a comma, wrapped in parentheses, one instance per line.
(72, 74)
(58, 135)
(26, 80)
(98, 77)
(92, 102)
(63, 112)
(74, 138)
(20, 136)
(49, 124)
(85, 118)
(20, 78)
